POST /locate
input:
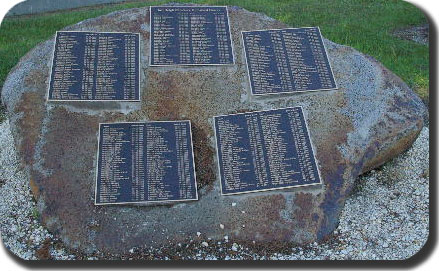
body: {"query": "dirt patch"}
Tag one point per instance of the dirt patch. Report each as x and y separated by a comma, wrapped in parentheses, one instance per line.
(43, 253)
(418, 34)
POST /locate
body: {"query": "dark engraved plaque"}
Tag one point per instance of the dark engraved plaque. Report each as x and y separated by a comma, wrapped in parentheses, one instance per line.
(190, 36)
(145, 162)
(92, 66)
(287, 60)
(264, 150)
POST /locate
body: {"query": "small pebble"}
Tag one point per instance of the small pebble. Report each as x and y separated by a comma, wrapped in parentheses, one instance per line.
(235, 247)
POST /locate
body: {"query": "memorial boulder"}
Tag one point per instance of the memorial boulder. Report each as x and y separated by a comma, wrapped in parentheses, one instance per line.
(371, 117)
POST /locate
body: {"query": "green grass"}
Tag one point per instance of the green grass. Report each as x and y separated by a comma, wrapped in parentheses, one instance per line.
(2, 113)
(363, 24)
(35, 213)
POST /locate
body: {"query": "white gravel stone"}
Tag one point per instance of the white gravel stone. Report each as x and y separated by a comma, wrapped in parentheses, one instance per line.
(20, 230)
(235, 247)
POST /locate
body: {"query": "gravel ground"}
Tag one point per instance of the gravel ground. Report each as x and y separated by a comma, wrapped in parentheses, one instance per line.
(386, 217)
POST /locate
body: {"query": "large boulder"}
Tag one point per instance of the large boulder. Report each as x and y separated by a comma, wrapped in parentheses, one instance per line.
(372, 117)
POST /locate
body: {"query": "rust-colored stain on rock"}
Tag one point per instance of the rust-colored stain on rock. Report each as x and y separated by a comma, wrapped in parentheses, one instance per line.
(261, 227)
(304, 211)
(203, 156)
(382, 154)
(32, 107)
(34, 188)
(70, 151)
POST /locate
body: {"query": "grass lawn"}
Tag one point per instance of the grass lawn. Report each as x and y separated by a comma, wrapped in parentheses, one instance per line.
(363, 24)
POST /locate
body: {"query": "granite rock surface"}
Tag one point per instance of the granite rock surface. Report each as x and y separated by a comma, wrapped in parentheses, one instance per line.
(370, 118)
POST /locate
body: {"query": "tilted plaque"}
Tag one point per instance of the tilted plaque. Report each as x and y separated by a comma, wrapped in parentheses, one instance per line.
(264, 150)
(95, 66)
(141, 162)
(287, 60)
(190, 36)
